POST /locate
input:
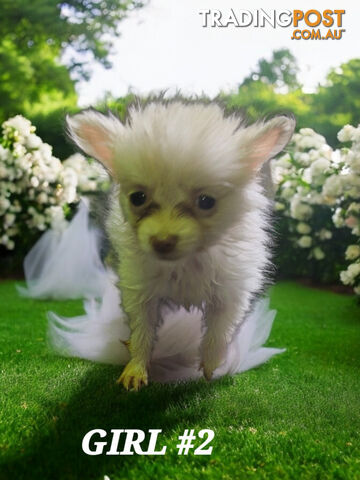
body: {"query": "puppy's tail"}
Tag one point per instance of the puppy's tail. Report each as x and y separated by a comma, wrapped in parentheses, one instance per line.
(101, 333)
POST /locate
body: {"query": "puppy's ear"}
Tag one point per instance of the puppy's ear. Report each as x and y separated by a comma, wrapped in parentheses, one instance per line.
(95, 134)
(260, 142)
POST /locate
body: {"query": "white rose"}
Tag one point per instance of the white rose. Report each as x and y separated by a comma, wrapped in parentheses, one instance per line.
(327, 152)
(3, 171)
(10, 244)
(21, 124)
(12, 231)
(39, 221)
(34, 182)
(310, 140)
(333, 186)
(314, 155)
(302, 157)
(346, 133)
(10, 188)
(352, 252)
(69, 177)
(307, 131)
(352, 179)
(19, 150)
(345, 278)
(351, 158)
(353, 192)
(356, 230)
(354, 163)
(327, 200)
(4, 153)
(356, 135)
(316, 198)
(9, 219)
(46, 151)
(303, 228)
(56, 218)
(69, 194)
(4, 204)
(42, 198)
(324, 234)
(300, 210)
(318, 253)
(354, 208)
(351, 221)
(348, 276)
(15, 207)
(77, 162)
(284, 161)
(287, 192)
(88, 185)
(354, 269)
(98, 171)
(357, 290)
(4, 239)
(338, 218)
(279, 206)
(305, 241)
(33, 141)
(319, 167)
(24, 162)
(307, 177)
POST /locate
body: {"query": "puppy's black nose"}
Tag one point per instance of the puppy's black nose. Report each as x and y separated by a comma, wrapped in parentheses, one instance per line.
(164, 245)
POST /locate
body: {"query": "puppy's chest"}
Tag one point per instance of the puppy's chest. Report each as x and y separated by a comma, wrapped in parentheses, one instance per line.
(188, 285)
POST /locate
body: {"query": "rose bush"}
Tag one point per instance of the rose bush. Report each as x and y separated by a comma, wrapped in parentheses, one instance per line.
(37, 190)
(317, 200)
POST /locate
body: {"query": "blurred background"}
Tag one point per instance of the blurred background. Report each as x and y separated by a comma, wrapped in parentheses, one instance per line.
(59, 57)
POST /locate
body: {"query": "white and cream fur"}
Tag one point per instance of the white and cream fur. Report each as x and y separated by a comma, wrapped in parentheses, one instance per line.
(175, 152)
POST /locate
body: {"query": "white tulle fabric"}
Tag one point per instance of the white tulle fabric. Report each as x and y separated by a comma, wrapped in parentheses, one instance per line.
(68, 265)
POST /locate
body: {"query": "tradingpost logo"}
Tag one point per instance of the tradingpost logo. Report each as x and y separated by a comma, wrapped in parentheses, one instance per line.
(306, 25)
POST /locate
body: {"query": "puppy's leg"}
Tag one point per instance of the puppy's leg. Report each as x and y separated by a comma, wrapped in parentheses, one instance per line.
(142, 321)
(214, 343)
(220, 321)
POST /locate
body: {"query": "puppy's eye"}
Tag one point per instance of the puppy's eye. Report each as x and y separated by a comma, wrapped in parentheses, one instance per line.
(138, 198)
(205, 202)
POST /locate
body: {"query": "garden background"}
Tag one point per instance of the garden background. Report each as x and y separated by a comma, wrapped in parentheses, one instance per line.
(306, 427)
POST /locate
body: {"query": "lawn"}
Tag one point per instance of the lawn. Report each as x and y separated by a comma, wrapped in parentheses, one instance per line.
(296, 417)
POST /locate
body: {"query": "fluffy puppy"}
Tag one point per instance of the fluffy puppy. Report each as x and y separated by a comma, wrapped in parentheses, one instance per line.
(187, 217)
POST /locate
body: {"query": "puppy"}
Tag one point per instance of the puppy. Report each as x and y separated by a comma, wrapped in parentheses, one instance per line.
(187, 218)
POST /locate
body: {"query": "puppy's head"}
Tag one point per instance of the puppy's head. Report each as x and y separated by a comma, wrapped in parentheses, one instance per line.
(182, 169)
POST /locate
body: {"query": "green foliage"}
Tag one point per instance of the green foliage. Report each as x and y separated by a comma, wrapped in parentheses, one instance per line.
(50, 126)
(79, 24)
(281, 71)
(34, 37)
(31, 80)
(118, 106)
(332, 105)
(337, 102)
(258, 99)
(326, 111)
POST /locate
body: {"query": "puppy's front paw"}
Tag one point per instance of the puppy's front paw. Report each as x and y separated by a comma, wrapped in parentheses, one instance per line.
(208, 369)
(212, 356)
(134, 376)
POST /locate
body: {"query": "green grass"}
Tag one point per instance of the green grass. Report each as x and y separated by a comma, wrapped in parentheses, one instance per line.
(296, 417)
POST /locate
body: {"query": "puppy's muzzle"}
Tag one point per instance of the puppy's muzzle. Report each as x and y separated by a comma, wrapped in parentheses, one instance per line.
(164, 246)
